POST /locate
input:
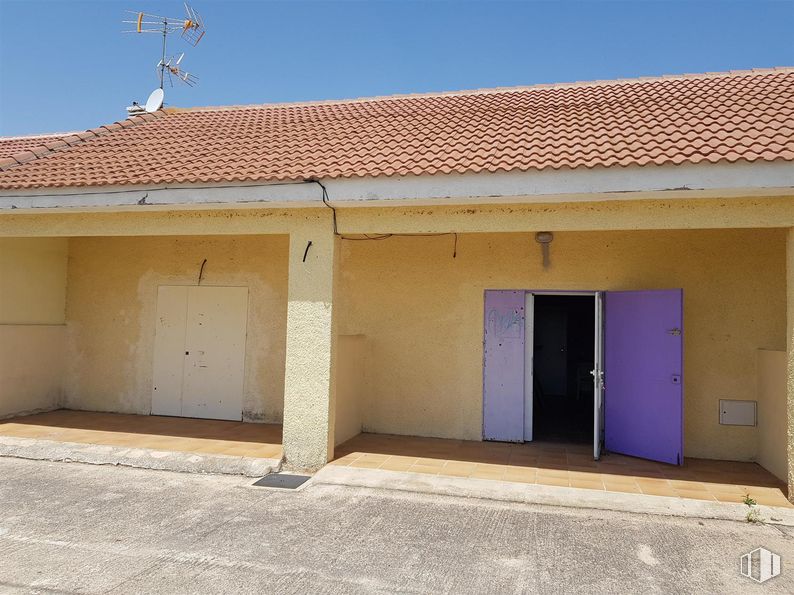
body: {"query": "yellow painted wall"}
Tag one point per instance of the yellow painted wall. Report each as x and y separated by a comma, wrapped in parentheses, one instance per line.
(32, 280)
(349, 386)
(111, 304)
(32, 332)
(772, 412)
(31, 367)
(675, 213)
(421, 311)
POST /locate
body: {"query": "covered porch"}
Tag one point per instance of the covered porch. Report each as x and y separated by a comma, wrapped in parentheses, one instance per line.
(564, 465)
(412, 311)
(199, 436)
(386, 337)
(535, 463)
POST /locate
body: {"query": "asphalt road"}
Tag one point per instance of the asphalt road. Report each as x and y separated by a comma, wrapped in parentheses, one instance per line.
(74, 528)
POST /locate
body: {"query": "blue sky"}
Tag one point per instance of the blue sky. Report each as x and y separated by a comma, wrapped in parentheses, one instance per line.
(67, 66)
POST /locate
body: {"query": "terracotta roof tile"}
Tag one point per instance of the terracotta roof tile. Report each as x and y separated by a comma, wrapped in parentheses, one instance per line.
(723, 117)
(11, 145)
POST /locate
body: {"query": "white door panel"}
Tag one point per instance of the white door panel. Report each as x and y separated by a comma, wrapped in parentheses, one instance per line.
(169, 350)
(215, 352)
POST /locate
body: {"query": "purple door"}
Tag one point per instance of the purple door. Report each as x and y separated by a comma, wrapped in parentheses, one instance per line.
(503, 366)
(643, 374)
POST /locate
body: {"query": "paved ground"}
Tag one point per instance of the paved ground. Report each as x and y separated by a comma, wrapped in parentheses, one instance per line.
(89, 529)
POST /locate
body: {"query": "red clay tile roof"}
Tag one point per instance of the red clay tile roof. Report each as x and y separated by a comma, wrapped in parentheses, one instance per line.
(12, 145)
(720, 117)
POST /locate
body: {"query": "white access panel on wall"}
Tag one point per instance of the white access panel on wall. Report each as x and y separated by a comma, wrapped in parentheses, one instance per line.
(199, 353)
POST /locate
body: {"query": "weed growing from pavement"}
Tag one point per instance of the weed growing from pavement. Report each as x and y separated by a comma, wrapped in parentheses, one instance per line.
(753, 515)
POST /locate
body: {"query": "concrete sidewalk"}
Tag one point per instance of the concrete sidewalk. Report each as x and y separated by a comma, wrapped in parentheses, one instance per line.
(142, 458)
(100, 529)
(507, 491)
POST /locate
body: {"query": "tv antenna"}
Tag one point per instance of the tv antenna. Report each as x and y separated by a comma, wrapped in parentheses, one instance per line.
(191, 29)
(172, 69)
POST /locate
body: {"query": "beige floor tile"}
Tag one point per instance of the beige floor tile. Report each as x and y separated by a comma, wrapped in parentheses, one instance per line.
(585, 484)
(695, 494)
(558, 473)
(368, 456)
(238, 451)
(552, 481)
(488, 472)
(403, 459)
(455, 472)
(584, 476)
(726, 488)
(430, 462)
(391, 465)
(365, 464)
(652, 481)
(758, 492)
(657, 490)
(458, 466)
(616, 478)
(773, 500)
(626, 488)
(520, 475)
(727, 497)
(206, 449)
(346, 459)
(272, 452)
(687, 485)
(430, 470)
(339, 462)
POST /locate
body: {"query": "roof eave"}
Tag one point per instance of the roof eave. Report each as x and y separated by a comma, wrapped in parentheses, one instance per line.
(722, 180)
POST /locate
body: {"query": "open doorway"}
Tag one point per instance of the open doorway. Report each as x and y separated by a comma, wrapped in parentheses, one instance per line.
(563, 357)
(540, 348)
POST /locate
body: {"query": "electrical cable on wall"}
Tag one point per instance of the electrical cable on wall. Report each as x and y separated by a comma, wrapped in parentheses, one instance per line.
(384, 236)
(201, 271)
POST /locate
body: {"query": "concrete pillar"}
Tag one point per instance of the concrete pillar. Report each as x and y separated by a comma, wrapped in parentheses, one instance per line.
(790, 359)
(309, 390)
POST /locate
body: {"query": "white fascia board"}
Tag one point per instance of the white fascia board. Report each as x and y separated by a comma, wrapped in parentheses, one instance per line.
(723, 180)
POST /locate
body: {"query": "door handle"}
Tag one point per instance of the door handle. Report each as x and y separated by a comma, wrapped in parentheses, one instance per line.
(598, 378)
(676, 378)
(676, 332)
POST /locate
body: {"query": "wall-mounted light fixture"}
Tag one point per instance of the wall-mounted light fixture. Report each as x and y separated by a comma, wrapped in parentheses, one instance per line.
(544, 238)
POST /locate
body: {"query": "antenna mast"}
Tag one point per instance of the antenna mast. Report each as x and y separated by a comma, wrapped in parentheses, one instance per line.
(191, 28)
(162, 58)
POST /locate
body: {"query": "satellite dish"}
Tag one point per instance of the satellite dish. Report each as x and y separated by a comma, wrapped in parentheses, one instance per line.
(155, 101)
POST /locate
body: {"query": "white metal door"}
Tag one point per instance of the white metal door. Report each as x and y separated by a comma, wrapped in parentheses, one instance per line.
(215, 352)
(169, 350)
(598, 376)
(529, 337)
(199, 351)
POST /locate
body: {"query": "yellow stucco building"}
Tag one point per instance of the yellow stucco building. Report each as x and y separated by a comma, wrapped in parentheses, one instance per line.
(359, 243)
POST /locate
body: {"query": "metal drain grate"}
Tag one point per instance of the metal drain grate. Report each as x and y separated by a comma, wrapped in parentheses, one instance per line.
(285, 481)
